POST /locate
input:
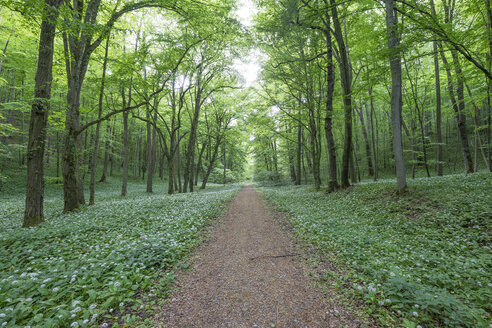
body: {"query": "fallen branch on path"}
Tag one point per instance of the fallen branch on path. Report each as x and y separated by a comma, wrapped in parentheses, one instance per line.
(273, 256)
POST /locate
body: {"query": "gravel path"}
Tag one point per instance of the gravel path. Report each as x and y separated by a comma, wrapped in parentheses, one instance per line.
(249, 275)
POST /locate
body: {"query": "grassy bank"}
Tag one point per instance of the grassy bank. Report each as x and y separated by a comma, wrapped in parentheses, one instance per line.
(78, 267)
(419, 259)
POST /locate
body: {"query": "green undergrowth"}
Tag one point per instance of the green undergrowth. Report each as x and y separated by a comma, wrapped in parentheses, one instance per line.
(418, 260)
(84, 268)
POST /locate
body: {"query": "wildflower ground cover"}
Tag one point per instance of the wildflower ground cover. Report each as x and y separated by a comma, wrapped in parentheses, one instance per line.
(421, 260)
(79, 267)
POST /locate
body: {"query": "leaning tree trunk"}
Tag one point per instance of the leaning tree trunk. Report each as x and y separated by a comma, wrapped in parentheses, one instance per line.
(211, 163)
(396, 95)
(33, 214)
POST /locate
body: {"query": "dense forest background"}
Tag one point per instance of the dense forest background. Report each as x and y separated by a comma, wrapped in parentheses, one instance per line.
(348, 91)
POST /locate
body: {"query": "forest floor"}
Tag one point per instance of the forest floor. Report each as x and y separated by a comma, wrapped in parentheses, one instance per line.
(251, 274)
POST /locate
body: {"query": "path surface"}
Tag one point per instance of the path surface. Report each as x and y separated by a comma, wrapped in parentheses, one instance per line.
(249, 276)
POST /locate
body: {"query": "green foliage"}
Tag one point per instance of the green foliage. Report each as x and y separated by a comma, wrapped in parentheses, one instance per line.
(79, 267)
(217, 176)
(53, 180)
(424, 256)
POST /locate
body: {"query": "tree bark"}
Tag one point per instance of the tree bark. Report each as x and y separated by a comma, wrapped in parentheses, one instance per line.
(299, 154)
(211, 163)
(366, 140)
(98, 127)
(396, 94)
(330, 87)
(151, 155)
(346, 80)
(34, 214)
(373, 139)
(106, 153)
(199, 164)
(438, 111)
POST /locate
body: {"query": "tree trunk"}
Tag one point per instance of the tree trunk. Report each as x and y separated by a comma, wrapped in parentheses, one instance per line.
(125, 153)
(199, 164)
(438, 111)
(373, 139)
(106, 153)
(151, 155)
(396, 95)
(79, 171)
(33, 214)
(330, 87)
(98, 127)
(299, 154)
(460, 115)
(366, 141)
(346, 80)
(211, 163)
(224, 159)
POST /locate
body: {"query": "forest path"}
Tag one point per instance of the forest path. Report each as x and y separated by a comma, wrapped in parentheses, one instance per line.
(249, 275)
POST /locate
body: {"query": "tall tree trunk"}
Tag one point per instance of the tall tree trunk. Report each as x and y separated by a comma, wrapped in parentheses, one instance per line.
(125, 153)
(69, 166)
(366, 140)
(79, 171)
(489, 84)
(151, 155)
(478, 139)
(330, 87)
(211, 162)
(33, 214)
(57, 155)
(136, 166)
(178, 164)
(98, 126)
(225, 163)
(396, 94)
(299, 154)
(199, 164)
(438, 111)
(373, 139)
(460, 116)
(106, 153)
(346, 80)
